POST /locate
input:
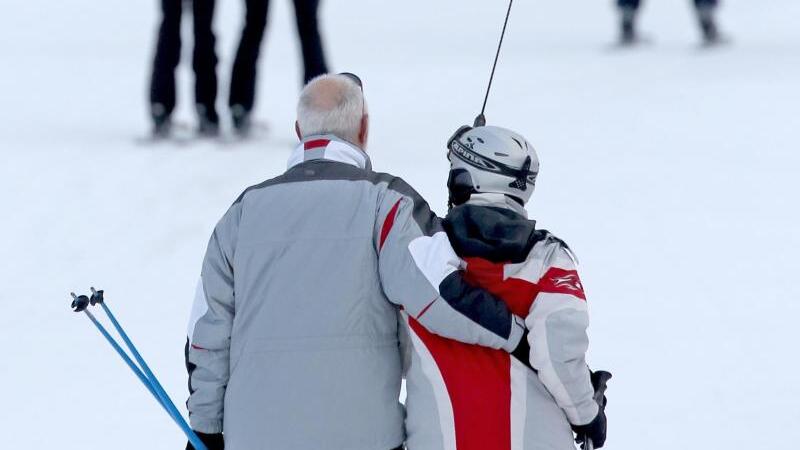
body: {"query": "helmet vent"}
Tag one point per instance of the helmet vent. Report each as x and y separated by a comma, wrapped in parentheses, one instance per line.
(518, 142)
(480, 140)
(500, 154)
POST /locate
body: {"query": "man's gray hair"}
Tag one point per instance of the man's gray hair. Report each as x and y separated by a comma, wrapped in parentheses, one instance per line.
(331, 104)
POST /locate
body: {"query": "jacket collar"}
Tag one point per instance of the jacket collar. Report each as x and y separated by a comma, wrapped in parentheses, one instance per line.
(497, 201)
(330, 148)
(491, 232)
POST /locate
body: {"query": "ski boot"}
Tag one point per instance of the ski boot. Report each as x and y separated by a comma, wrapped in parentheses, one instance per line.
(208, 125)
(627, 35)
(241, 120)
(162, 124)
(708, 25)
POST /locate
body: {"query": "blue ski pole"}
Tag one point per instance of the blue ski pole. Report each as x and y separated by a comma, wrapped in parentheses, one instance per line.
(97, 297)
(79, 304)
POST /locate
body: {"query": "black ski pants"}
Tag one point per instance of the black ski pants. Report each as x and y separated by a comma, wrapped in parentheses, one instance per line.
(636, 3)
(168, 55)
(243, 78)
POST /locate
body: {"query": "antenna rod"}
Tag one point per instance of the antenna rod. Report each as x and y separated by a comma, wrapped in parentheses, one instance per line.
(481, 119)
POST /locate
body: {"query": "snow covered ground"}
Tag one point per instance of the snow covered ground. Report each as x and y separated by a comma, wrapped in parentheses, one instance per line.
(671, 171)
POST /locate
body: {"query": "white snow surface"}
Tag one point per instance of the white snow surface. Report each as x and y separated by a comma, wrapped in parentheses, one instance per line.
(672, 172)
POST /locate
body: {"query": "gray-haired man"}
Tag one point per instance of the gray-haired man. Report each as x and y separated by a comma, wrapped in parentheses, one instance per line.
(293, 342)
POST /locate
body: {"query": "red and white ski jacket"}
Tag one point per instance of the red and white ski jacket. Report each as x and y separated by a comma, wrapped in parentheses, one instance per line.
(464, 397)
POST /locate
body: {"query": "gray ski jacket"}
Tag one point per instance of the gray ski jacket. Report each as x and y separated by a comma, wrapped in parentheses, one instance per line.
(293, 338)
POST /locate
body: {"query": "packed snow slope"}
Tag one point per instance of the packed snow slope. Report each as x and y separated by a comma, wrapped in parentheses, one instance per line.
(672, 171)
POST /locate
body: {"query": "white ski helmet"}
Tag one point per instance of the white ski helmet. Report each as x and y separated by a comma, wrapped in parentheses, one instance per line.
(489, 159)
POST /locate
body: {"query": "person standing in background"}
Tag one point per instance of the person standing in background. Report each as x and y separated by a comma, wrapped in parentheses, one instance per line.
(706, 13)
(243, 78)
(167, 57)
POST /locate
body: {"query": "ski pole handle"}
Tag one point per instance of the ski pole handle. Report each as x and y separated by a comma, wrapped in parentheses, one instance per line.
(602, 385)
(599, 392)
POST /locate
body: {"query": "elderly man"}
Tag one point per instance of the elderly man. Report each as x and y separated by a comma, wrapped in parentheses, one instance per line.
(293, 342)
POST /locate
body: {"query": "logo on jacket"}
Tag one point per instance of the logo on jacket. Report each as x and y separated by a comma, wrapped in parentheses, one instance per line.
(570, 282)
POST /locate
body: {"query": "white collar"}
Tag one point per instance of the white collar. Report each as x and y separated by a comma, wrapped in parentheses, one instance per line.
(330, 148)
(498, 201)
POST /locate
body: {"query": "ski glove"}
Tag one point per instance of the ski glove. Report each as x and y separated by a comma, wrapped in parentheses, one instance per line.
(596, 429)
(212, 441)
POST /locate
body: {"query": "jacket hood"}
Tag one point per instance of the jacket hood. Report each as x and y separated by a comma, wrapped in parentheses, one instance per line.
(492, 233)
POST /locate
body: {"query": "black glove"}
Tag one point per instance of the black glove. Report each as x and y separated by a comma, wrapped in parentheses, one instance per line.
(596, 429)
(212, 441)
(523, 351)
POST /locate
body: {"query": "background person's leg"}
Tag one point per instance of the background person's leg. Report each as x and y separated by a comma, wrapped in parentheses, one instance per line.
(243, 77)
(205, 64)
(701, 3)
(706, 17)
(628, 10)
(628, 3)
(165, 61)
(310, 39)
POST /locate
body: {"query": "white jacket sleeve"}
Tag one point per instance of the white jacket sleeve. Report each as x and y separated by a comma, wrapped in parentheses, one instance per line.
(557, 325)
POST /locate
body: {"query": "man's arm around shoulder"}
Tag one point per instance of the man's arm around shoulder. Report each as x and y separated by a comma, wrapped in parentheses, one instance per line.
(419, 271)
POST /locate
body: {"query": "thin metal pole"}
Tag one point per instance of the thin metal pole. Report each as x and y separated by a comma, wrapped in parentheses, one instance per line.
(481, 119)
(198, 445)
(159, 390)
(125, 358)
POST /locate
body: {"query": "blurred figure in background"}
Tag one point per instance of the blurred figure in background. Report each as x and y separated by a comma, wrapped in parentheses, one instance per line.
(167, 57)
(705, 9)
(243, 78)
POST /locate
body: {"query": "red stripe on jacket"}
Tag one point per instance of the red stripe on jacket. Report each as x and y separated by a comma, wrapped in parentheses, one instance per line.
(388, 223)
(561, 281)
(478, 379)
(315, 144)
